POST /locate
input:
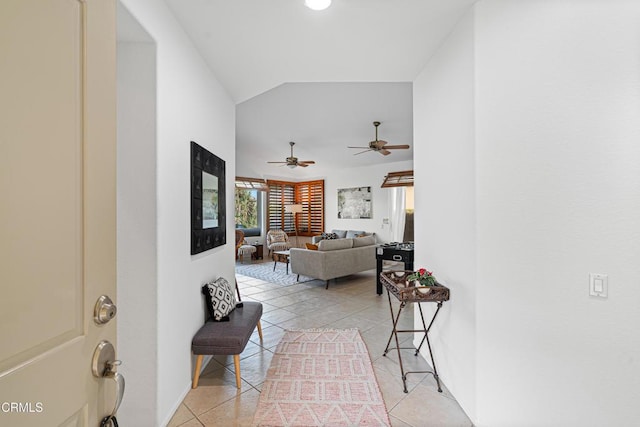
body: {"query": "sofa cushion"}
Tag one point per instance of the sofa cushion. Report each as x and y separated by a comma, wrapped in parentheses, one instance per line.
(364, 241)
(352, 233)
(341, 233)
(334, 245)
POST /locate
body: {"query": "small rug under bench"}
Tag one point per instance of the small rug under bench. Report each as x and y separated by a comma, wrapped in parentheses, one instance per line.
(321, 377)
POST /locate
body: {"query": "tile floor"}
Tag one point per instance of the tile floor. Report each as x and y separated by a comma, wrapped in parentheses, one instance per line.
(349, 303)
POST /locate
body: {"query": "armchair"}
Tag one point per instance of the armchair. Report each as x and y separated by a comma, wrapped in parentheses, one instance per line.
(277, 240)
(242, 247)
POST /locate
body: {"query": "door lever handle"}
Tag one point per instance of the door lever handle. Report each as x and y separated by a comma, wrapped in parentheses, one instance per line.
(104, 366)
(119, 379)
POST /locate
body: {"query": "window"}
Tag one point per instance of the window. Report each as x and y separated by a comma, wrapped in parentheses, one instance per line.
(251, 183)
(248, 203)
(309, 194)
(398, 179)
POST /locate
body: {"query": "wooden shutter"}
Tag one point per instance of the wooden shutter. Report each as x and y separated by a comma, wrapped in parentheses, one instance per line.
(279, 195)
(311, 196)
(398, 179)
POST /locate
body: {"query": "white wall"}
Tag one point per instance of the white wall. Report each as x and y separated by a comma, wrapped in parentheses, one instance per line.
(368, 176)
(191, 106)
(558, 108)
(557, 190)
(137, 228)
(445, 213)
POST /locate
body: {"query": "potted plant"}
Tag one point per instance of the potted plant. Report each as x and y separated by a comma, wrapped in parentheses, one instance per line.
(423, 280)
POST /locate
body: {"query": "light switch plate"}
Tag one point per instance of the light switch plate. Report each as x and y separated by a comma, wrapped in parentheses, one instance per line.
(598, 285)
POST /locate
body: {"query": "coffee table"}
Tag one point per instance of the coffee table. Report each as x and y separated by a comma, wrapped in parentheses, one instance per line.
(281, 256)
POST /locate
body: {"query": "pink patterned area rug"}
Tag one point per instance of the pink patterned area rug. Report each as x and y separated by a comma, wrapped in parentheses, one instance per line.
(321, 377)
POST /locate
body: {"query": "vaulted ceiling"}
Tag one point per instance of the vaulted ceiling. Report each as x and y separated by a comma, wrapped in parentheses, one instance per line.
(257, 48)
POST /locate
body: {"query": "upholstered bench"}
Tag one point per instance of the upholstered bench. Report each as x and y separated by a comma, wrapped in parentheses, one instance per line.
(228, 337)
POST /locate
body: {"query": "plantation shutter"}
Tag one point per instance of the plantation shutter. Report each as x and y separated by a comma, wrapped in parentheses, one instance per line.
(279, 195)
(311, 196)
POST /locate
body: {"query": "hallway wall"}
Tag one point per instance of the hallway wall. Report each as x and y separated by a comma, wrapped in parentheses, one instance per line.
(191, 106)
(554, 196)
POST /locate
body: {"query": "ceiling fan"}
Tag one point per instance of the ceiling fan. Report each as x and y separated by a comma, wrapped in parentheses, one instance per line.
(292, 161)
(380, 146)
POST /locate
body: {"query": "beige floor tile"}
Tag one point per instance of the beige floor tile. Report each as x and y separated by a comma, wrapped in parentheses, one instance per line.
(391, 387)
(395, 422)
(393, 367)
(425, 407)
(235, 412)
(354, 321)
(277, 316)
(182, 415)
(309, 307)
(282, 301)
(303, 323)
(214, 388)
(271, 336)
(253, 369)
(192, 423)
(377, 338)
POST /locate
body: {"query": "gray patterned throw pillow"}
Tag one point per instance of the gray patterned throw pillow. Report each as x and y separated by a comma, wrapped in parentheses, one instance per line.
(329, 236)
(220, 299)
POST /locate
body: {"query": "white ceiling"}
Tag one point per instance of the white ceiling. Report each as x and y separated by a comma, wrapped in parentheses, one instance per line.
(322, 119)
(276, 59)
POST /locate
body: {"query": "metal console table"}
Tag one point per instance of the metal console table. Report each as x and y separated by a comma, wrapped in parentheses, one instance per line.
(396, 283)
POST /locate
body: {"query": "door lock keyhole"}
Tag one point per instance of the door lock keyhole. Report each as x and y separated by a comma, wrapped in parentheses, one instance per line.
(104, 311)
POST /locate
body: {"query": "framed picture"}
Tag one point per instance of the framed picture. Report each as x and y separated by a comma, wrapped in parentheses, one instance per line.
(208, 207)
(354, 203)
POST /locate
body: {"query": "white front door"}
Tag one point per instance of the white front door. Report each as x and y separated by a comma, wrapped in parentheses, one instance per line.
(57, 208)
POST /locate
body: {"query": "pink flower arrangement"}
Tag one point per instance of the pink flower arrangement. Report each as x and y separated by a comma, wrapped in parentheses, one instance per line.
(425, 277)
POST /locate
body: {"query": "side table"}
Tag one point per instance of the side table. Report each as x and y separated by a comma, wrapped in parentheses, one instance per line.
(281, 256)
(258, 254)
(396, 283)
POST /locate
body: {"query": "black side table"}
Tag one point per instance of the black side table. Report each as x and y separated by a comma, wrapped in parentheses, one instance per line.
(396, 283)
(258, 253)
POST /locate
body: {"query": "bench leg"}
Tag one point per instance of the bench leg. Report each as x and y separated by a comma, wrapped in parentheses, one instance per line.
(259, 330)
(196, 374)
(236, 363)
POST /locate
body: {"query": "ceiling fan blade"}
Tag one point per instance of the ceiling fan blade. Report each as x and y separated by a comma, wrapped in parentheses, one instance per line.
(357, 147)
(363, 151)
(277, 162)
(385, 152)
(302, 164)
(309, 162)
(394, 147)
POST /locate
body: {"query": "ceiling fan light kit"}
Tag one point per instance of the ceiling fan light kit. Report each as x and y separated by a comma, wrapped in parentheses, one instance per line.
(292, 161)
(380, 146)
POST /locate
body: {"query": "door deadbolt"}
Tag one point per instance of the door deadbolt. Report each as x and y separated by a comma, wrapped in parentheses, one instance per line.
(104, 311)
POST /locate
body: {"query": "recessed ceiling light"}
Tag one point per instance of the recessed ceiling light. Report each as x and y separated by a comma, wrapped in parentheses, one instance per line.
(317, 4)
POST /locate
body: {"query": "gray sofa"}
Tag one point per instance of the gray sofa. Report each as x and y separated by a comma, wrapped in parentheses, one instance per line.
(335, 258)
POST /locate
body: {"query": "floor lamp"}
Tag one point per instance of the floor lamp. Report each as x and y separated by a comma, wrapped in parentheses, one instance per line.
(295, 210)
